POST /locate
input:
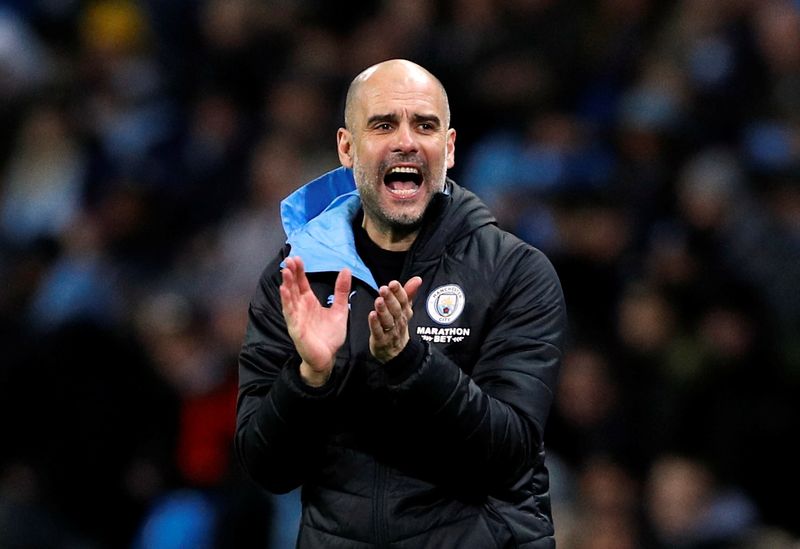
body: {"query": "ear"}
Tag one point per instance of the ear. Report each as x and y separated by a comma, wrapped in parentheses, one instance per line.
(451, 148)
(344, 146)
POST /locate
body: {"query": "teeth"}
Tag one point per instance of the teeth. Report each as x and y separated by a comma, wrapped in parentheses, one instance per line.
(404, 169)
(403, 192)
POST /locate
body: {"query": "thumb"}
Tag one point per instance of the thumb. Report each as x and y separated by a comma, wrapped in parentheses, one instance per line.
(412, 286)
(341, 290)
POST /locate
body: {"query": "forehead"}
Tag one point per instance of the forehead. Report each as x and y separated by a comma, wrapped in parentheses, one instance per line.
(401, 93)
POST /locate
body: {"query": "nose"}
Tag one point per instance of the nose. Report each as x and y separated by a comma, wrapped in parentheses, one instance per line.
(405, 139)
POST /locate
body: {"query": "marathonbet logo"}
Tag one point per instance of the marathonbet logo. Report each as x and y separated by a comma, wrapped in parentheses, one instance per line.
(444, 305)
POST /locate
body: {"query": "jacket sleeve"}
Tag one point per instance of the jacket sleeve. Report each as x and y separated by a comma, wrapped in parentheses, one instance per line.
(493, 421)
(280, 421)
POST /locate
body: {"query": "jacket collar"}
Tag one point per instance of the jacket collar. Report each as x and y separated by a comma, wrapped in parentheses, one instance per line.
(317, 220)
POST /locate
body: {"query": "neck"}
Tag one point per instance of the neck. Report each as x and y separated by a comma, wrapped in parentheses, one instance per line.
(389, 238)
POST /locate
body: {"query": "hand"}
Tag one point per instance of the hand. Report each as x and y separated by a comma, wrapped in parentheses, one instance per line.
(388, 322)
(317, 332)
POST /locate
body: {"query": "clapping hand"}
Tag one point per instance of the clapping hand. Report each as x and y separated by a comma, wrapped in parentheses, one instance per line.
(317, 332)
(388, 322)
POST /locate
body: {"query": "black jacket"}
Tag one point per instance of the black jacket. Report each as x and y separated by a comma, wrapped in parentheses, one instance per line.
(440, 447)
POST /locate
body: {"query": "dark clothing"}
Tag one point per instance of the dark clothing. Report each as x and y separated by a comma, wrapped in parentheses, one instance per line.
(440, 447)
(385, 265)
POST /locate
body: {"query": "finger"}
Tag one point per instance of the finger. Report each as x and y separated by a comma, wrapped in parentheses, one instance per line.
(300, 272)
(412, 287)
(402, 297)
(375, 327)
(397, 289)
(392, 300)
(406, 310)
(384, 316)
(289, 278)
(341, 289)
(287, 304)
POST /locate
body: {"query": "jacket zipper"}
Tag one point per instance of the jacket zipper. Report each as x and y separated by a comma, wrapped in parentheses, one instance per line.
(378, 504)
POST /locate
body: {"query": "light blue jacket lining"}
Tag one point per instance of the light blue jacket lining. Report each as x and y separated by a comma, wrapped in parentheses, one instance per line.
(317, 219)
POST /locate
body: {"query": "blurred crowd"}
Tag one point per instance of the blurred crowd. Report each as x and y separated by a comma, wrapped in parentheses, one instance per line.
(651, 149)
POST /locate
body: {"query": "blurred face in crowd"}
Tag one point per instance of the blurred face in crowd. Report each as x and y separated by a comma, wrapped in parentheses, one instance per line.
(398, 142)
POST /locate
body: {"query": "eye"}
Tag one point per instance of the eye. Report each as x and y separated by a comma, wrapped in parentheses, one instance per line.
(383, 126)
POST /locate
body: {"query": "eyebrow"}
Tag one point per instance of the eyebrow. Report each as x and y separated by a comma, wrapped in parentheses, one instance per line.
(393, 118)
(431, 118)
(381, 118)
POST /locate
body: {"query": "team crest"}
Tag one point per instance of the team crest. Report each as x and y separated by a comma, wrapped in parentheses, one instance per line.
(445, 303)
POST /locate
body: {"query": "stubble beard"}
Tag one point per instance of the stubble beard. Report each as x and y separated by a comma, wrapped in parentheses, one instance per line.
(397, 222)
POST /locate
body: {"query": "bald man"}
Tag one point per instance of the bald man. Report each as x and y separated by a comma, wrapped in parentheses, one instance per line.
(402, 350)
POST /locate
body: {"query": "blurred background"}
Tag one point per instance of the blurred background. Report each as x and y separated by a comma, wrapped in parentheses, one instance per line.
(650, 148)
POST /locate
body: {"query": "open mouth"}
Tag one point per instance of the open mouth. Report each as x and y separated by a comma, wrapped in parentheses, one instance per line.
(403, 181)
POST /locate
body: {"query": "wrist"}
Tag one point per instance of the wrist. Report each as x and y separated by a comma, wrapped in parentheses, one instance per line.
(312, 377)
(406, 362)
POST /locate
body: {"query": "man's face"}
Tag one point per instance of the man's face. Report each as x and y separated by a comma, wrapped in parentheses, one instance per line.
(399, 147)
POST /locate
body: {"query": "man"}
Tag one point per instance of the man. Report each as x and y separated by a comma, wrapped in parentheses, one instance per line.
(411, 413)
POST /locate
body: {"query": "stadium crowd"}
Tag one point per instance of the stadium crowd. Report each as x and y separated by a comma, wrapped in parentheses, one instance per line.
(651, 149)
